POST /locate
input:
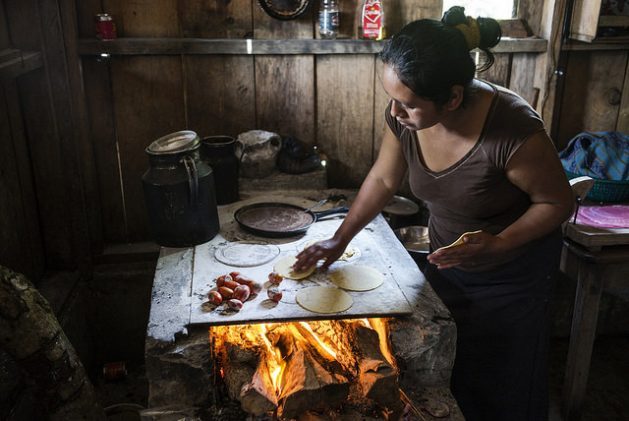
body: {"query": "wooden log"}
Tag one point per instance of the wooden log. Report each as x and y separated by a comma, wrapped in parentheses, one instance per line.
(247, 378)
(31, 334)
(308, 386)
(306, 383)
(258, 396)
(377, 378)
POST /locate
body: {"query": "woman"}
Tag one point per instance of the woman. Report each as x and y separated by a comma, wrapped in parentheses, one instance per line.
(479, 157)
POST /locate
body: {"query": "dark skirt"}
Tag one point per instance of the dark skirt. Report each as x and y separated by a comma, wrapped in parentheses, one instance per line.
(502, 316)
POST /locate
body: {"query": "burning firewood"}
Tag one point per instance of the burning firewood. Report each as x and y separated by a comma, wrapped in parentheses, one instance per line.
(247, 378)
(309, 386)
(378, 380)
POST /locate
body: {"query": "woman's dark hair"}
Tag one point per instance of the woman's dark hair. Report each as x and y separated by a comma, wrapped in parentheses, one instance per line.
(431, 56)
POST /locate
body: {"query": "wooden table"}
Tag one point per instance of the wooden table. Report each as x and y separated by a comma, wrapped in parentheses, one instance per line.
(598, 259)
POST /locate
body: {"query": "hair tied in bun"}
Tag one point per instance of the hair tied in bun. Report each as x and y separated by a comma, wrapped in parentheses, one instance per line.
(471, 32)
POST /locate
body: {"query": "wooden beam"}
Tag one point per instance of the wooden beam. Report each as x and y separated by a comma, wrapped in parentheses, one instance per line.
(14, 63)
(175, 46)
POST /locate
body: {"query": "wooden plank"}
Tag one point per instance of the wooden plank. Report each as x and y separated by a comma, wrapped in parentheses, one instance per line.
(86, 11)
(398, 13)
(173, 46)
(220, 94)
(219, 90)
(349, 17)
(25, 62)
(20, 248)
(522, 78)
(90, 216)
(215, 19)
(266, 27)
(622, 125)
(381, 101)
(582, 334)
(595, 238)
(285, 96)
(148, 103)
(500, 72)
(5, 41)
(592, 78)
(100, 109)
(345, 109)
(32, 230)
(144, 18)
(531, 12)
(41, 110)
(585, 19)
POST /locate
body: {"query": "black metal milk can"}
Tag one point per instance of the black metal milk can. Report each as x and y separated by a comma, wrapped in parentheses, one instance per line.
(179, 192)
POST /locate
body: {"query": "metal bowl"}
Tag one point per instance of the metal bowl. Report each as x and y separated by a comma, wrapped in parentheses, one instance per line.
(414, 238)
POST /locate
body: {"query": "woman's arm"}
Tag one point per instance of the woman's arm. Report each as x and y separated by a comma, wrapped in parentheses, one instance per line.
(534, 168)
(379, 186)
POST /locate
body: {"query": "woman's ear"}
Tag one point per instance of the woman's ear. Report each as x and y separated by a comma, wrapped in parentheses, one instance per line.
(456, 98)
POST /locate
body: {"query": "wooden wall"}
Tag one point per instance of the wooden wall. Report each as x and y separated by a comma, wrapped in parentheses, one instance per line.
(45, 219)
(594, 94)
(334, 101)
(79, 124)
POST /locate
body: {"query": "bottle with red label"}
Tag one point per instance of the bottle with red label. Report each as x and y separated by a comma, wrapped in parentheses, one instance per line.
(373, 20)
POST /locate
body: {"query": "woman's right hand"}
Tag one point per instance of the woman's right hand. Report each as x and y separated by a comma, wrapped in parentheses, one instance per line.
(329, 250)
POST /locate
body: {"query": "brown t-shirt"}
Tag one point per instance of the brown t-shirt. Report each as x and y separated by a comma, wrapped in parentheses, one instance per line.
(474, 193)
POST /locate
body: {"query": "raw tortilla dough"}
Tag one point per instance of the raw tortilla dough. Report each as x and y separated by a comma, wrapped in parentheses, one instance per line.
(459, 241)
(356, 278)
(350, 252)
(324, 300)
(284, 267)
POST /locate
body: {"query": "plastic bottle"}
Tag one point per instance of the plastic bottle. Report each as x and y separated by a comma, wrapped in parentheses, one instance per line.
(373, 20)
(329, 19)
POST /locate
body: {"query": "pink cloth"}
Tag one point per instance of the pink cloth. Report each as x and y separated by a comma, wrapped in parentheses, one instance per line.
(610, 216)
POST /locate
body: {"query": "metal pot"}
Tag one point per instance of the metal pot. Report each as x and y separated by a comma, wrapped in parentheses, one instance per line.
(415, 240)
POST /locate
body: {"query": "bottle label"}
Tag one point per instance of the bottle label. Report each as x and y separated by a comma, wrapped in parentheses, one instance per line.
(372, 19)
(328, 21)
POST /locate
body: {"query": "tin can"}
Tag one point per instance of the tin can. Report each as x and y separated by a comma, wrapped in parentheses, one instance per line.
(105, 26)
(115, 371)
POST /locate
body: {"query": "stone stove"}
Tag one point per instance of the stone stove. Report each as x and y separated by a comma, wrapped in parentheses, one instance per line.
(181, 369)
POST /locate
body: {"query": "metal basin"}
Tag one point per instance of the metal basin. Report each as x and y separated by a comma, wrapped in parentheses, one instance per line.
(414, 239)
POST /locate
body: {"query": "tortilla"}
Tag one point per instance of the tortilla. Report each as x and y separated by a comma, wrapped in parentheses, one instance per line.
(459, 241)
(356, 278)
(284, 267)
(324, 300)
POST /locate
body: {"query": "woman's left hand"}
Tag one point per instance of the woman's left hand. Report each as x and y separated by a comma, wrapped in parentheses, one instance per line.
(475, 247)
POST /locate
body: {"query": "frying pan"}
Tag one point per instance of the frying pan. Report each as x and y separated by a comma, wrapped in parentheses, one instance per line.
(272, 219)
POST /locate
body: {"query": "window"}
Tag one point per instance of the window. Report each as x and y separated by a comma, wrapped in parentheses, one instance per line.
(497, 9)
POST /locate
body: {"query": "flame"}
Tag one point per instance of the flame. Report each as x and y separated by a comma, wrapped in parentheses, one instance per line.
(382, 327)
(327, 349)
(319, 335)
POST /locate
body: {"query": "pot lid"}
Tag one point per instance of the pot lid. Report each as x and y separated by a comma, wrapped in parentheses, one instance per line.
(399, 205)
(284, 9)
(182, 141)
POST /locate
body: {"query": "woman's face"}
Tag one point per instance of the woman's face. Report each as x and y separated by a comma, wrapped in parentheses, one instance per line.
(411, 111)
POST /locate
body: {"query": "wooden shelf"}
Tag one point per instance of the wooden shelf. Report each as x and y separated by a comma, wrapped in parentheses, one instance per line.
(14, 63)
(613, 21)
(174, 46)
(599, 44)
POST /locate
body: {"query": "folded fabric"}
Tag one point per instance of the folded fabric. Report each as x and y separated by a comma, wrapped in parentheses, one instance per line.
(611, 216)
(600, 155)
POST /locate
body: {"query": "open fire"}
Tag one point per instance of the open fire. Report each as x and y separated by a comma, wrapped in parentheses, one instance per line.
(291, 368)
